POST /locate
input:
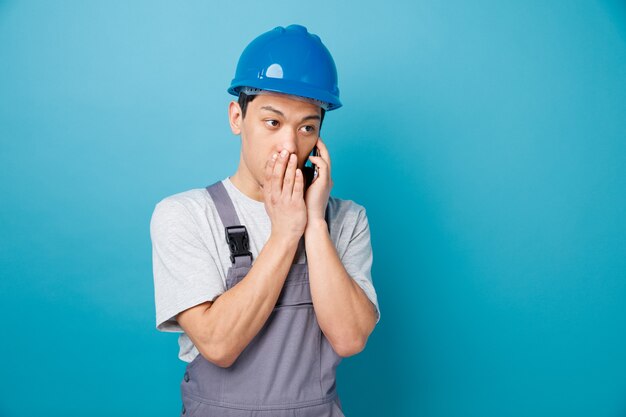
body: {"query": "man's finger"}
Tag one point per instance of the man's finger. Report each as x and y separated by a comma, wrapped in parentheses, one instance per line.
(290, 175)
(298, 186)
(322, 165)
(324, 151)
(278, 173)
(269, 166)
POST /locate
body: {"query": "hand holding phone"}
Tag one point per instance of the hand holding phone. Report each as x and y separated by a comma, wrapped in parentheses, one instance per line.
(310, 172)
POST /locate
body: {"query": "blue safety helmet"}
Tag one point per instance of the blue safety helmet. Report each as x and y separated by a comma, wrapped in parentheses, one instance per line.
(288, 60)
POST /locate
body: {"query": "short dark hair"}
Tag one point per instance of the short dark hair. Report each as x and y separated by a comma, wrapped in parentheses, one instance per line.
(244, 99)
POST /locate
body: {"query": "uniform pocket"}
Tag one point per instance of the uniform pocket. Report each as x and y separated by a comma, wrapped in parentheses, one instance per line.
(281, 365)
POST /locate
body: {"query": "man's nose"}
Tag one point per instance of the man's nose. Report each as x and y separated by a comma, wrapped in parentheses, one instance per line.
(289, 141)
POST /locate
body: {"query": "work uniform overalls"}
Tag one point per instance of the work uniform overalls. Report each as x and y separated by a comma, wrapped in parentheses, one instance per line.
(287, 370)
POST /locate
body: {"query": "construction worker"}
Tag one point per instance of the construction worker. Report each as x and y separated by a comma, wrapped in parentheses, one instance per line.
(267, 276)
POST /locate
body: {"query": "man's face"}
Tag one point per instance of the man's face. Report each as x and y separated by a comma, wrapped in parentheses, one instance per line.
(274, 122)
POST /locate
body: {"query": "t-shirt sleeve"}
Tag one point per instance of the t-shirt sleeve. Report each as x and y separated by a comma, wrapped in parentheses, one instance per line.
(185, 273)
(357, 259)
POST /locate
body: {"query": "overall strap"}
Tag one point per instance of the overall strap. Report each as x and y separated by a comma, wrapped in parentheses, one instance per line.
(236, 233)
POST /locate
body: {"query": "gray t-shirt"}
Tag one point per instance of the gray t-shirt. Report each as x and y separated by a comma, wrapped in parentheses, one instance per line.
(191, 257)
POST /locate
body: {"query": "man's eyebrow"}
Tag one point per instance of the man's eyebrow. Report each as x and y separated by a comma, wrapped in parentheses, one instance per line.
(305, 118)
(270, 108)
(311, 117)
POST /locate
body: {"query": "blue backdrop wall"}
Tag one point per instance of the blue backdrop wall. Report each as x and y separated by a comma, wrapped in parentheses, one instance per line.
(485, 139)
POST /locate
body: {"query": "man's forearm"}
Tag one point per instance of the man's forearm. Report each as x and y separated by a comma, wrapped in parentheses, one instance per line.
(237, 315)
(344, 313)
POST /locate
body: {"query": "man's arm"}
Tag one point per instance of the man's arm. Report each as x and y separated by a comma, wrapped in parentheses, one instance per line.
(222, 329)
(345, 314)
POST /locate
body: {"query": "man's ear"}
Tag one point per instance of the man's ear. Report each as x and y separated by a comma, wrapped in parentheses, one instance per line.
(235, 117)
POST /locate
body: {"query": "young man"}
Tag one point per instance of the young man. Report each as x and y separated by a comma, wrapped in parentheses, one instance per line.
(266, 275)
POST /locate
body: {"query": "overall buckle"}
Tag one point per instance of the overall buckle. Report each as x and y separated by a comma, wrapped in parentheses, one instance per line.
(238, 242)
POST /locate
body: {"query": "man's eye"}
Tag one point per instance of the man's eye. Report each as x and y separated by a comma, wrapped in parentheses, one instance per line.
(271, 123)
(308, 128)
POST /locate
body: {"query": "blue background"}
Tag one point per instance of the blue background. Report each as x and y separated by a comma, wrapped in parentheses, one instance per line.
(485, 139)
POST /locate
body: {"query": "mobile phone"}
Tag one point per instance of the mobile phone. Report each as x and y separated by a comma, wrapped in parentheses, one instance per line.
(310, 172)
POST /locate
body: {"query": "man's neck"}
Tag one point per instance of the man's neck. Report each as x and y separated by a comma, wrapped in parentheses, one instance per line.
(247, 185)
